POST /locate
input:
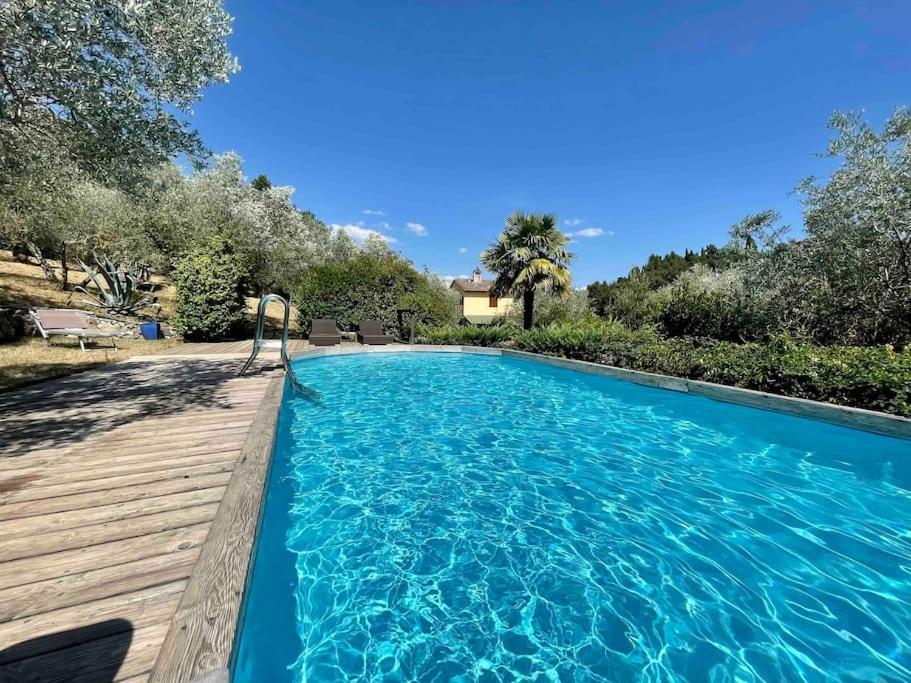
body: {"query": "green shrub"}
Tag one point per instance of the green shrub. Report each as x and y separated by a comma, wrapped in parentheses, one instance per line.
(875, 378)
(210, 292)
(371, 286)
(690, 313)
(468, 335)
(584, 340)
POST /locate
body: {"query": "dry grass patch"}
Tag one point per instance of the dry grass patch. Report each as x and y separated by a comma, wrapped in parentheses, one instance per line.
(28, 360)
(24, 284)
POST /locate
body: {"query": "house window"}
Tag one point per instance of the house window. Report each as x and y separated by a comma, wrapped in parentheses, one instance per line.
(493, 302)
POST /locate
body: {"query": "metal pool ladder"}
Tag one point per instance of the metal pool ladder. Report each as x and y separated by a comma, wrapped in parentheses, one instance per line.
(282, 344)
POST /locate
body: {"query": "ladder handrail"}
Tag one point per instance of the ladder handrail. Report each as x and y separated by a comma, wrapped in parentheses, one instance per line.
(261, 317)
(258, 340)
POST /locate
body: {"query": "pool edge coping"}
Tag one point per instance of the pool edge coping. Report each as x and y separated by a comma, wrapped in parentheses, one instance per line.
(200, 639)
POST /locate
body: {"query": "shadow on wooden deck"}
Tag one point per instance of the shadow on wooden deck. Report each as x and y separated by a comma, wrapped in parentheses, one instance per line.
(86, 405)
(65, 658)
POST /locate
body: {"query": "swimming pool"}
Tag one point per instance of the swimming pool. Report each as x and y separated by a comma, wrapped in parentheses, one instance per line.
(451, 516)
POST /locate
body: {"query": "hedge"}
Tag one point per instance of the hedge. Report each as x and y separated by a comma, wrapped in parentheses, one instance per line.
(875, 378)
(370, 286)
(209, 303)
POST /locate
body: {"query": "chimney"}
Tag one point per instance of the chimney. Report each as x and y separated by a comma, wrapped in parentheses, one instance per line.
(476, 275)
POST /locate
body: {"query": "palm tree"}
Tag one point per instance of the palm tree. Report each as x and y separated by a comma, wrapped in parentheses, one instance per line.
(529, 255)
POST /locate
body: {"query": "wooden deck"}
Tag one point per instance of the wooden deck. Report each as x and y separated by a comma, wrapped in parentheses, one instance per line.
(109, 484)
(228, 348)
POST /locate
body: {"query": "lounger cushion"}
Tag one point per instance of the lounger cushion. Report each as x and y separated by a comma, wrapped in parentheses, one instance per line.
(371, 332)
(324, 332)
(374, 338)
(324, 340)
(70, 322)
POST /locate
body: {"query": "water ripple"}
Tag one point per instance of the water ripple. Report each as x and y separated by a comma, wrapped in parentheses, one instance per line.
(476, 518)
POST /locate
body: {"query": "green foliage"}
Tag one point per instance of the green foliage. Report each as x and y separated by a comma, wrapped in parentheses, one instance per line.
(106, 83)
(758, 231)
(875, 378)
(261, 183)
(432, 301)
(637, 299)
(467, 335)
(117, 289)
(371, 285)
(708, 303)
(583, 341)
(210, 292)
(847, 281)
(274, 240)
(529, 255)
(553, 308)
(850, 278)
(630, 300)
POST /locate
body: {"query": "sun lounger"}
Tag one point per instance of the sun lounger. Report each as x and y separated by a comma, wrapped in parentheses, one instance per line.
(324, 332)
(371, 332)
(64, 322)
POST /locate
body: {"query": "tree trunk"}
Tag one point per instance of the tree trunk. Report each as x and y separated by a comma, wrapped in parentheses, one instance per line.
(64, 268)
(45, 266)
(528, 308)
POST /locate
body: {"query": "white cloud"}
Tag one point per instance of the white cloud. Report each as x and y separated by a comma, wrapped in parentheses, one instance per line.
(382, 225)
(589, 232)
(417, 229)
(449, 278)
(360, 234)
(374, 212)
(463, 250)
(573, 222)
(609, 233)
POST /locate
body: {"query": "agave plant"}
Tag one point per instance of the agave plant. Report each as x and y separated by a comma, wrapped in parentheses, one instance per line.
(118, 288)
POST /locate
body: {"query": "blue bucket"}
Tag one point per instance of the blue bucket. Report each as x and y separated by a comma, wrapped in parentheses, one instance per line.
(150, 331)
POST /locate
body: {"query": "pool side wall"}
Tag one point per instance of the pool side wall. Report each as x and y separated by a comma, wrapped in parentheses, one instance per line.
(845, 416)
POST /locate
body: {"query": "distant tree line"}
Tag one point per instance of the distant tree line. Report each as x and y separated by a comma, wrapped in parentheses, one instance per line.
(846, 280)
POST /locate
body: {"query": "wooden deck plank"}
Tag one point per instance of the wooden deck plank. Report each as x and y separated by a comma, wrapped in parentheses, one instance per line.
(68, 539)
(98, 660)
(69, 626)
(95, 584)
(99, 456)
(129, 443)
(56, 522)
(109, 483)
(26, 570)
(114, 486)
(202, 631)
(238, 347)
(122, 465)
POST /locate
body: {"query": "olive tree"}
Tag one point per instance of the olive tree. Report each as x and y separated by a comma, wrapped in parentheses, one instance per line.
(107, 82)
(858, 224)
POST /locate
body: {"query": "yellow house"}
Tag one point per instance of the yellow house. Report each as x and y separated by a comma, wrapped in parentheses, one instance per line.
(479, 305)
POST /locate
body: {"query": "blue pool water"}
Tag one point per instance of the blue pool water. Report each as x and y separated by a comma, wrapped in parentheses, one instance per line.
(443, 517)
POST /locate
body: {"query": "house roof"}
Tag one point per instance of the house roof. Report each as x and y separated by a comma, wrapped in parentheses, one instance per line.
(469, 285)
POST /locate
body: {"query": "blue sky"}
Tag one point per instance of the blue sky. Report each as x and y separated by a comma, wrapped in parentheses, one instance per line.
(648, 126)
